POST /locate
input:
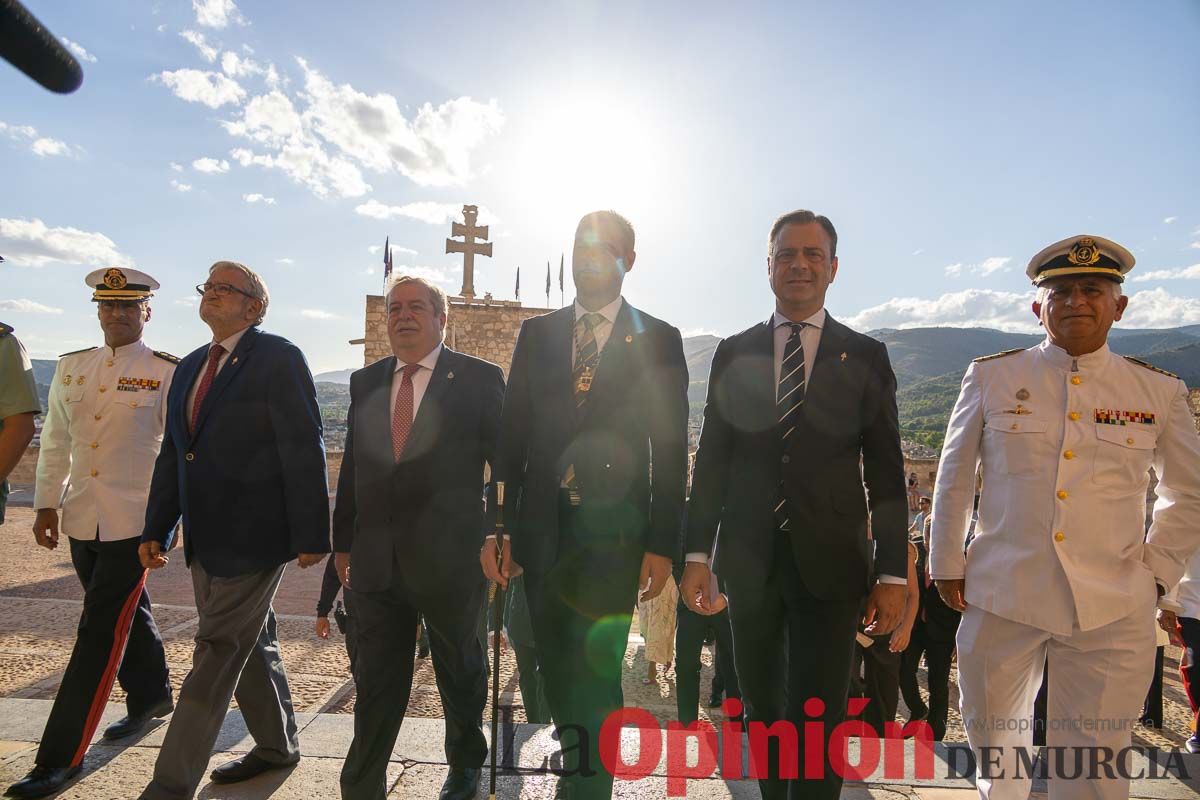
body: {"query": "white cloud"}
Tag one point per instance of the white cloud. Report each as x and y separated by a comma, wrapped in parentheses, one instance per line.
(435, 274)
(1169, 220)
(918, 251)
(423, 211)
(161, 28)
(406, 250)
(983, 308)
(1190, 273)
(698, 332)
(180, 186)
(32, 243)
(375, 248)
(258, 198)
(191, 301)
(235, 66)
(210, 165)
(207, 51)
(40, 145)
(369, 271)
(1158, 308)
(217, 13)
(23, 306)
(177, 166)
(196, 86)
(983, 268)
(1195, 245)
(287, 261)
(316, 313)
(77, 49)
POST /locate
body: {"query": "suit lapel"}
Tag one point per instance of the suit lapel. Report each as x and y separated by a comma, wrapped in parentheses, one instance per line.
(428, 420)
(823, 381)
(185, 378)
(376, 415)
(761, 370)
(237, 359)
(616, 363)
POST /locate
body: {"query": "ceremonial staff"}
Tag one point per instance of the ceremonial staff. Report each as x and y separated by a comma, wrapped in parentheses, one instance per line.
(497, 597)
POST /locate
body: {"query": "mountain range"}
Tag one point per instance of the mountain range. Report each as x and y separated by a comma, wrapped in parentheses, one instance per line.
(929, 365)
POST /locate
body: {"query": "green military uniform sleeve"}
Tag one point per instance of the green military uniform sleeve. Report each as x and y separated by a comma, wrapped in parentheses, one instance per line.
(18, 392)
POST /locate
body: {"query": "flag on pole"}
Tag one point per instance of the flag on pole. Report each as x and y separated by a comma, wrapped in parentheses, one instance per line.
(518, 283)
(387, 258)
(561, 260)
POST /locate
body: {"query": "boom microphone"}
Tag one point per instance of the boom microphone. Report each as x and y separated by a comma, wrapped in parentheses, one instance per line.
(31, 48)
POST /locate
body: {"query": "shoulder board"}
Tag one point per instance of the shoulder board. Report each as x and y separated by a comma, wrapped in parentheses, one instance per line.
(5, 330)
(73, 352)
(165, 356)
(1141, 363)
(999, 355)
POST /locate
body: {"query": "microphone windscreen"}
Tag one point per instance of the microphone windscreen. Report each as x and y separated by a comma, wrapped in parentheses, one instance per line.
(31, 48)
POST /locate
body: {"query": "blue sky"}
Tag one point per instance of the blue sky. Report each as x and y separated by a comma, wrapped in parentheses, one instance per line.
(947, 141)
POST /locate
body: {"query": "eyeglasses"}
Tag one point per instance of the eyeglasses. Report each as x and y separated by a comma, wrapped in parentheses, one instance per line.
(221, 290)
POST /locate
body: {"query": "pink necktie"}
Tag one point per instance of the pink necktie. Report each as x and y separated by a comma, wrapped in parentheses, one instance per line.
(210, 372)
(402, 417)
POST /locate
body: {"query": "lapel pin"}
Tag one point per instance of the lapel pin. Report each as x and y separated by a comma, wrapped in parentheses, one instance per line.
(449, 376)
(843, 356)
(235, 358)
(628, 340)
(1022, 394)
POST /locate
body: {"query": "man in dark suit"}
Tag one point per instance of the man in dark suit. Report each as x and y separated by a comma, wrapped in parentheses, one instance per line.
(408, 524)
(243, 463)
(801, 412)
(593, 450)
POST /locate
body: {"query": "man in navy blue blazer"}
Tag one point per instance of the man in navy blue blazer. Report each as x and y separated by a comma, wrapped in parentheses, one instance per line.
(243, 463)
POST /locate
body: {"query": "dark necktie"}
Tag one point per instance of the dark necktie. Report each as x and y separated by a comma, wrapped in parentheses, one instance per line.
(587, 356)
(402, 416)
(214, 360)
(789, 396)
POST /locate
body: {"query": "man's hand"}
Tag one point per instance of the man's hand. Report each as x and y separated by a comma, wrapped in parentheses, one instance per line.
(322, 629)
(885, 608)
(498, 571)
(953, 593)
(341, 563)
(45, 528)
(306, 560)
(653, 577)
(698, 588)
(900, 639)
(1170, 623)
(151, 555)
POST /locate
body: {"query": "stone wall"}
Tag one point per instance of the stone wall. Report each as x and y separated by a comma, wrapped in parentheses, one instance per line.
(482, 328)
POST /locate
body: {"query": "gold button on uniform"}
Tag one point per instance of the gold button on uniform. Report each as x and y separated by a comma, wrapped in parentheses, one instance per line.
(189, 456)
(1069, 455)
(95, 445)
(97, 416)
(1062, 494)
(1074, 415)
(1129, 440)
(1076, 380)
(1058, 537)
(104, 388)
(108, 363)
(95, 472)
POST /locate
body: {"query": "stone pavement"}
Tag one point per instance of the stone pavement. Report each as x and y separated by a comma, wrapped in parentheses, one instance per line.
(39, 610)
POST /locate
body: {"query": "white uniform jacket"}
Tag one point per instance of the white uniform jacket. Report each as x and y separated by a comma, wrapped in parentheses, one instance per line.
(1065, 445)
(102, 433)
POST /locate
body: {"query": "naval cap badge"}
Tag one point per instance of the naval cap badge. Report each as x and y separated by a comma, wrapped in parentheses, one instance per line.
(114, 278)
(1084, 252)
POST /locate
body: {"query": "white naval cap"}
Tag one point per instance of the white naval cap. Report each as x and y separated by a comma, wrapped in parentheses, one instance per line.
(120, 283)
(1081, 255)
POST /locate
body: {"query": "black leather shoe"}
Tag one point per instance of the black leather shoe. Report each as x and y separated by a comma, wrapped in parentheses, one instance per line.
(131, 724)
(42, 781)
(461, 784)
(245, 768)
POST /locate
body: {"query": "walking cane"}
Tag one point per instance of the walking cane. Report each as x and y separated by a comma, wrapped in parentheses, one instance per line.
(496, 595)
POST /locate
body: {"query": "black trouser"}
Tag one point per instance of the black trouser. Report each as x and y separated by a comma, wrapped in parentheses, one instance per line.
(789, 646)
(117, 638)
(938, 655)
(580, 611)
(690, 631)
(881, 683)
(385, 630)
(533, 684)
(1152, 709)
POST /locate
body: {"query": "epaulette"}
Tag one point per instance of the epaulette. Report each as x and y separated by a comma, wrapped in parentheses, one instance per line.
(1001, 354)
(1141, 363)
(5, 330)
(73, 352)
(165, 356)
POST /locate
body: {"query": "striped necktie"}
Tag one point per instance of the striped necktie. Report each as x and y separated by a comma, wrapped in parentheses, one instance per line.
(789, 397)
(587, 356)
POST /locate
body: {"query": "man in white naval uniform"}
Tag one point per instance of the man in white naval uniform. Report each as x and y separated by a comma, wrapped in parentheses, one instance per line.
(102, 433)
(1060, 567)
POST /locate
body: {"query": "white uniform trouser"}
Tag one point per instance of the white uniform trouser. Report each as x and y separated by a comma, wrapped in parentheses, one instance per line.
(1098, 682)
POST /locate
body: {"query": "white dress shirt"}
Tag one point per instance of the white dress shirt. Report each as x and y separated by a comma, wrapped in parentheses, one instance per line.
(228, 343)
(420, 380)
(603, 329)
(810, 340)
